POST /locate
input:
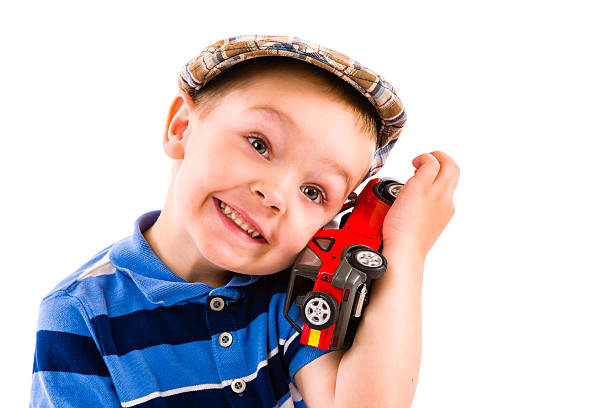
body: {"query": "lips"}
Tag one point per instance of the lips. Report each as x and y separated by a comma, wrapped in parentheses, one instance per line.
(244, 216)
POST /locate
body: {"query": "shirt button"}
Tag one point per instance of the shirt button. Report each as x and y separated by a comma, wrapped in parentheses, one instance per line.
(225, 339)
(238, 386)
(217, 304)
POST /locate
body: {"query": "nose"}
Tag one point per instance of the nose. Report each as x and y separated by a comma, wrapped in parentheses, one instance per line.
(270, 196)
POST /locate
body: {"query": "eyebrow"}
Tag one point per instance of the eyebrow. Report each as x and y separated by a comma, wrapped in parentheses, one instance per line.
(282, 116)
(340, 170)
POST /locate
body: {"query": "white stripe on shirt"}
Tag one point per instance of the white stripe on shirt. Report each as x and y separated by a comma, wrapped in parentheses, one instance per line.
(201, 387)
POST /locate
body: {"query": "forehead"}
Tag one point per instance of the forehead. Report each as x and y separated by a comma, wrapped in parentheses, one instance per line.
(261, 75)
(288, 109)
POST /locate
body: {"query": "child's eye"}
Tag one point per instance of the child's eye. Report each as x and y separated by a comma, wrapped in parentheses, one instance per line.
(313, 193)
(259, 144)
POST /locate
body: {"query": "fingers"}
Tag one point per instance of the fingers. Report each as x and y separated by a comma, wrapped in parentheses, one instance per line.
(448, 176)
(427, 167)
(436, 168)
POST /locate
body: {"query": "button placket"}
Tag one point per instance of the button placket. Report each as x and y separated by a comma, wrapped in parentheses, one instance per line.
(227, 355)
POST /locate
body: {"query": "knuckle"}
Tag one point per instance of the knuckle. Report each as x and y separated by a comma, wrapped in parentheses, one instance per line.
(456, 171)
(454, 166)
(452, 169)
(444, 157)
(440, 155)
(450, 210)
(434, 160)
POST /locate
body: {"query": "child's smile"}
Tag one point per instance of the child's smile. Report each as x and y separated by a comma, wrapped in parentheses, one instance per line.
(237, 223)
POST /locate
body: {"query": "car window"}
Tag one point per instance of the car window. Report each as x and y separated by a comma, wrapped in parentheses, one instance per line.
(324, 243)
(308, 257)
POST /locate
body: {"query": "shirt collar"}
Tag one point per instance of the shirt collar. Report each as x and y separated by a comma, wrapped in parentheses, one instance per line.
(134, 256)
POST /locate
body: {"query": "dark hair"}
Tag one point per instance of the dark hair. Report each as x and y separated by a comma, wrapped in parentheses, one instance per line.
(208, 97)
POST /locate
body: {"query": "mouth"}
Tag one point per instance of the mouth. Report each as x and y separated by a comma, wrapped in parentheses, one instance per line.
(237, 223)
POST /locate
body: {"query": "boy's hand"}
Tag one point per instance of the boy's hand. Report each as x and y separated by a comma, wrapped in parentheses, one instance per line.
(424, 206)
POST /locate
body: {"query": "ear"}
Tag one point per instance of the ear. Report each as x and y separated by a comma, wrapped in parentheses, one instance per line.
(181, 112)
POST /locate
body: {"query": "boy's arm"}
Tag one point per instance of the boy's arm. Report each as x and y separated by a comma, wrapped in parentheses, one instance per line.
(69, 370)
(382, 366)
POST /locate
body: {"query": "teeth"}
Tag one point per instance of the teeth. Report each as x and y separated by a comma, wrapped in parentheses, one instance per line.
(241, 223)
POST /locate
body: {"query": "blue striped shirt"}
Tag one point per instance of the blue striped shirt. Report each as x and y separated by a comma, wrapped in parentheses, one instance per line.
(124, 330)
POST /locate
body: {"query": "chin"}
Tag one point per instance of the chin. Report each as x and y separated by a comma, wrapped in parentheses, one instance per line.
(254, 270)
(217, 255)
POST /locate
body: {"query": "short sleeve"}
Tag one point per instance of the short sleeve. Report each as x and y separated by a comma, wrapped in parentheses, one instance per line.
(69, 370)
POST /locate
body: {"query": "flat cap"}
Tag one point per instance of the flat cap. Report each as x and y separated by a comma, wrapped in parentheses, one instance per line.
(223, 54)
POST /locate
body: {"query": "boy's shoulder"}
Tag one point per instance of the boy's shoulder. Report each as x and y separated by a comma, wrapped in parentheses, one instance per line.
(77, 285)
(96, 265)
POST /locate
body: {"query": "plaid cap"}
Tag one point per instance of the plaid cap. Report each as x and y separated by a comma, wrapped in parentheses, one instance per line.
(223, 54)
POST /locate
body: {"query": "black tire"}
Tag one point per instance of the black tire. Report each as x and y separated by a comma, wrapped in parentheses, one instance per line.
(388, 190)
(319, 310)
(367, 260)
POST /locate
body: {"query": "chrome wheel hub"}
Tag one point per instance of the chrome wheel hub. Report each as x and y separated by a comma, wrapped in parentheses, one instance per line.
(368, 258)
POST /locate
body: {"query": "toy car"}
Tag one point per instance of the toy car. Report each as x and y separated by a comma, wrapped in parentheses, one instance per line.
(332, 276)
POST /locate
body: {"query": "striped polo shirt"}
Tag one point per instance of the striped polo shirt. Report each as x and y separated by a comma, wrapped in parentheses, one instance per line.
(124, 330)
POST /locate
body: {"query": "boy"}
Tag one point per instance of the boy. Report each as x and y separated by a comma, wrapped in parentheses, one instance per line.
(188, 310)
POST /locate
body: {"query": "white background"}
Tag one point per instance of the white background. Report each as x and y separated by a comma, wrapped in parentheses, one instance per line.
(517, 293)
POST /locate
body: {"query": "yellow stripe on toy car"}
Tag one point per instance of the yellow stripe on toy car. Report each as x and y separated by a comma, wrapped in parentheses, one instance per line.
(313, 338)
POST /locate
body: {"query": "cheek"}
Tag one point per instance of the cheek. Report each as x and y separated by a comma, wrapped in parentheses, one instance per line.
(218, 164)
(299, 233)
(189, 190)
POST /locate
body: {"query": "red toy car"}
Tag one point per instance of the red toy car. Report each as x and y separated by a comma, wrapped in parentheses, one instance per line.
(331, 277)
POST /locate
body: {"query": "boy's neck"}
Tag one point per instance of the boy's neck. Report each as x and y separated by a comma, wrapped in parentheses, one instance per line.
(179, 259)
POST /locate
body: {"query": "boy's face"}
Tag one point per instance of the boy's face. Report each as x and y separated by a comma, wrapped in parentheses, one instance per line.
(275, 167)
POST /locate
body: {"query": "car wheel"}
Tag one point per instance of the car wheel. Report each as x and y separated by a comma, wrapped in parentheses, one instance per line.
(369, 261)
(391, 190)
(388, 190)
(319, 310)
